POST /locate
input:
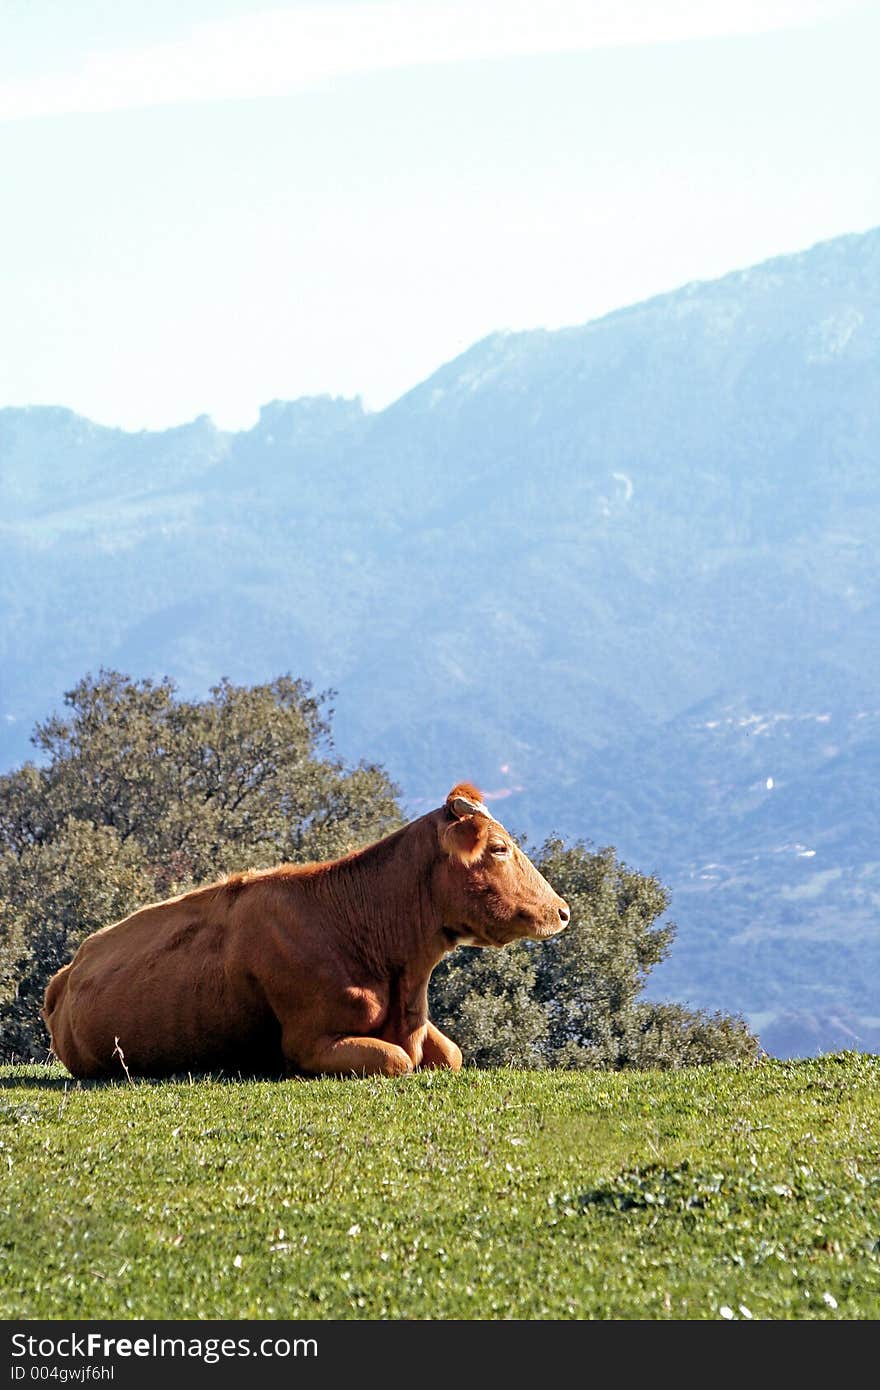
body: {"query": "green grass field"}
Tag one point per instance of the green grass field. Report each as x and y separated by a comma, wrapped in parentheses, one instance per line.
(700, 1194)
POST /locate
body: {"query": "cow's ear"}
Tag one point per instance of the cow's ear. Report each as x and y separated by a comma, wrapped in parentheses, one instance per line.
(466, 838)
(465, 800)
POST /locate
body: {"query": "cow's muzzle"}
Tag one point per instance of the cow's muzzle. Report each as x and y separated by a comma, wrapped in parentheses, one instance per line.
(553, 927)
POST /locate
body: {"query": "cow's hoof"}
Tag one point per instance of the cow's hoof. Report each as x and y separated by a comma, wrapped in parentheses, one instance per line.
(455, 1060)
(398, 1063)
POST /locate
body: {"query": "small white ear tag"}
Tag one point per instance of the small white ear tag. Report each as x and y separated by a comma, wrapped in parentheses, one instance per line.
(461, 806)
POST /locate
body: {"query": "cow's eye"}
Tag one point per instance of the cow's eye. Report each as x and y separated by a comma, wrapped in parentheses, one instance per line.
(500, 850)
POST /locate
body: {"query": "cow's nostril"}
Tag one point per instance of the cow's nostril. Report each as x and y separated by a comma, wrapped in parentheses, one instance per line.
(564, 915)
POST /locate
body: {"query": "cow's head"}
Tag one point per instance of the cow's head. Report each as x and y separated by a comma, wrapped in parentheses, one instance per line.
(491, 893)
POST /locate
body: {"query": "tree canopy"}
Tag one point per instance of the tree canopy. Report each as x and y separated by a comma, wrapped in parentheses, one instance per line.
(574, 1001)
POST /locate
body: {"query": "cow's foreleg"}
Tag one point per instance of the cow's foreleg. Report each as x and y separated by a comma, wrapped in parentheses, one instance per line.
(361, 1056)
(440, 1051)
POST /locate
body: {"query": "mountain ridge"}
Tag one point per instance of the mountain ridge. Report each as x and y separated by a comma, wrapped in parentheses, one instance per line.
(556, 556)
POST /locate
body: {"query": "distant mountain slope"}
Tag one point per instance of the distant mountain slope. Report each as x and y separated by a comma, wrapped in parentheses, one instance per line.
(630, 568)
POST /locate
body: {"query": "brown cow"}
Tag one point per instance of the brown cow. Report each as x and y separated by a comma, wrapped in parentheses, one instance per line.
(302, 969)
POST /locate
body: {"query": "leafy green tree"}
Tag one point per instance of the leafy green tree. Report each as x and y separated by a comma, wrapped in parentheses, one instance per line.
(590, 976)
(669, 1035)
(52, 896)
(487, 1001)
(575, 999)
(240, 779)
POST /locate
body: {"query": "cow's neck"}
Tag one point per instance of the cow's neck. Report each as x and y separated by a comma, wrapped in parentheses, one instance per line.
(383, 904)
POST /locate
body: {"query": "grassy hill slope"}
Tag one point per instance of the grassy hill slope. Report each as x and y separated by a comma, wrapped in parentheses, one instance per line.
(697, 1194)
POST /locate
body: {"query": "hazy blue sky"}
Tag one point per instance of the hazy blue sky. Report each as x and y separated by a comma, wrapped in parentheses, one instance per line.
(208, 204)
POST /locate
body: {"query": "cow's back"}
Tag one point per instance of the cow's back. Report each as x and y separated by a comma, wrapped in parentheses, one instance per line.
(159, 982)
